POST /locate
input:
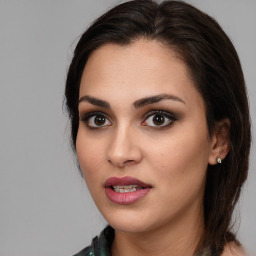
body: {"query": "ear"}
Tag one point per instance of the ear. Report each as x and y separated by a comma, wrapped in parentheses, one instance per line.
(220, 142)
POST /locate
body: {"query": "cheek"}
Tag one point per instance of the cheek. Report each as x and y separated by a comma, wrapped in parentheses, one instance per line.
(181, 171)
(182, 158)
(89, 156)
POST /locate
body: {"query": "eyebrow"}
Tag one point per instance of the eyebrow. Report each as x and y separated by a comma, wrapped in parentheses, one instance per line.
(137, 104)
(154, 99)
(95, 101)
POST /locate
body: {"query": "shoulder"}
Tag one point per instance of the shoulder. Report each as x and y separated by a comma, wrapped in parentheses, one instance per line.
(88, 251)
(100, 244)
(232, 249)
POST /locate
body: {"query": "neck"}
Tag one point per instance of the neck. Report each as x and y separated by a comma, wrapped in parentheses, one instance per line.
(180, 237)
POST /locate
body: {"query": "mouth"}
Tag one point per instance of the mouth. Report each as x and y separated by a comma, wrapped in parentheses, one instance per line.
(125, 190)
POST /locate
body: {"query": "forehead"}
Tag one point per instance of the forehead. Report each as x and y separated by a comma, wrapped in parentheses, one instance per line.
(135, 70)
(136, 58)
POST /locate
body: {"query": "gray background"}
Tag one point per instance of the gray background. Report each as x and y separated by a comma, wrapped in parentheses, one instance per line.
(45, 208)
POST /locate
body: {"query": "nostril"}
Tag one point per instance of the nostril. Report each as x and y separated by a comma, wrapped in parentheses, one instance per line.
(128, 162)
(122, 163)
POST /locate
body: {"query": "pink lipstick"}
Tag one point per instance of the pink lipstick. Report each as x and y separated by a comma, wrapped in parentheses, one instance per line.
(125, 190)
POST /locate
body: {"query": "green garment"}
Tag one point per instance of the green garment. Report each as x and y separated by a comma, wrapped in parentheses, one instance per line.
(100, 246)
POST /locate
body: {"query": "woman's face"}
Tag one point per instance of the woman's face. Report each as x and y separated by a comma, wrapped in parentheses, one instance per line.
(143, 124)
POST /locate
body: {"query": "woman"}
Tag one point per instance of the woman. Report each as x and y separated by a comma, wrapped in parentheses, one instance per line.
(160, 125)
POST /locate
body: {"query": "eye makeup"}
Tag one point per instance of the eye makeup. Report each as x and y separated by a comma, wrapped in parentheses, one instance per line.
(155, 119)
(95, 119)
(159, 119)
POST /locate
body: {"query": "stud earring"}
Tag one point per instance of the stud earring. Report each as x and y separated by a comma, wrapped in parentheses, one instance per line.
(219, 161)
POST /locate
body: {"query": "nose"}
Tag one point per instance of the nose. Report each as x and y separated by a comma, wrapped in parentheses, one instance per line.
(124, 149)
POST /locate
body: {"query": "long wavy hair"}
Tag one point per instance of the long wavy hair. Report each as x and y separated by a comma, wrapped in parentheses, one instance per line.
(215, 68)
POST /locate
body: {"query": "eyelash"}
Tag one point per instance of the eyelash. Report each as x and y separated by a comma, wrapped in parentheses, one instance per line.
(166, 114)
(86, 118)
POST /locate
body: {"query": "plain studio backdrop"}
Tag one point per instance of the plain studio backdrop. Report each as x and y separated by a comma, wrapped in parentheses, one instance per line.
(45, 208)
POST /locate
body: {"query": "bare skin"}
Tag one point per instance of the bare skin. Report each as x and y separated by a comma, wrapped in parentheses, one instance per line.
(120, 136)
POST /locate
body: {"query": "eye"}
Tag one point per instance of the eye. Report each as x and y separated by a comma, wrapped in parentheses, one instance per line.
(96, 120)
(159, 119)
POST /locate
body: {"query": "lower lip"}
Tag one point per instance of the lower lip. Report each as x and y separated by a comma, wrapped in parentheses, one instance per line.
(126, 198)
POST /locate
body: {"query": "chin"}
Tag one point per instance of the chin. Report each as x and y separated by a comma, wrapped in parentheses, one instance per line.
(125, 221)
(130, 222)
(128, 227)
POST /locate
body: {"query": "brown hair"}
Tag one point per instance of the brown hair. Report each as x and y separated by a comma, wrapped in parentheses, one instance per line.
(215, 68)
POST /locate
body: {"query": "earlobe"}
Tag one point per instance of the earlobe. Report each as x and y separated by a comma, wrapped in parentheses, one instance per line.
(220, 142)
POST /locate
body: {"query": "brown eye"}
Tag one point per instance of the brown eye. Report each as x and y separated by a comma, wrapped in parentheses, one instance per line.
(96, 120)
(158, 120)
(99, 120)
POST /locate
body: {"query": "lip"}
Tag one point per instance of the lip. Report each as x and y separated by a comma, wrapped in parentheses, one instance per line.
(128, 197)
(124, 181)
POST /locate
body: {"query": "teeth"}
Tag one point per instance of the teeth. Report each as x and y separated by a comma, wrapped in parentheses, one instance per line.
(125, 189)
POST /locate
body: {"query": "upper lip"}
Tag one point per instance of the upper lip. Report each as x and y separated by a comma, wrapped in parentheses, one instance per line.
(124, 181)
